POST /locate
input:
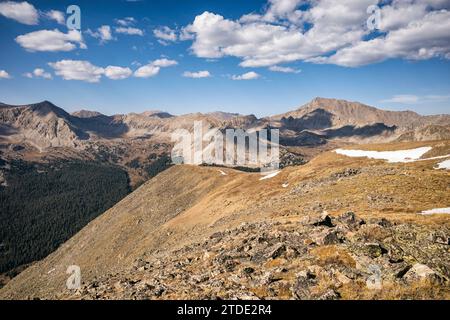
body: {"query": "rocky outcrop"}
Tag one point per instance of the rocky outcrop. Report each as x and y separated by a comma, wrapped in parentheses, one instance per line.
(427, 133)
(42, 124)
(320, 257)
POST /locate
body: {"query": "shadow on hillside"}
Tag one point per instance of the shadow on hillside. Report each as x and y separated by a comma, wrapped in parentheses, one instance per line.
(365, 131)
(315, 120)
(102, 126)
(304, 138)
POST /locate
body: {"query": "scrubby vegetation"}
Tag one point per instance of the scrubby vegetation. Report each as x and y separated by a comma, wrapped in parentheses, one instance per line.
(45, 204)
(158, 166)
(239, 168)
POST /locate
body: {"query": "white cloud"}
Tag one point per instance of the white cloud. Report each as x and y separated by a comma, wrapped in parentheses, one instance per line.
(56, 15)
(4, 75)
(324, 31)
(103, 33)
(51, 40)
(197, 75)
(85, 71)
(283, 9)
(414, 99)
(424, 39)
(403, 99)
(153, 68)
(246, 76)
(164, 63)
(126, 22)
(147, 71)
(130, 31)
(284, 69)
(22, 12)
(77, 70)
(117, 73)
(165, 35)
(38, 73)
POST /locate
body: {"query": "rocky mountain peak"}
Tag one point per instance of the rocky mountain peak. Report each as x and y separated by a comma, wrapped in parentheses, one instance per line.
(86, 114)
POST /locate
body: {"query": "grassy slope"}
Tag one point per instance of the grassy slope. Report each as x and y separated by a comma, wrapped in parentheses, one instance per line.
(185, 204)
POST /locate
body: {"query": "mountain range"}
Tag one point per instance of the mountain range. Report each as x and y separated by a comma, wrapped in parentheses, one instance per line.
(100, 192)
(44, 125)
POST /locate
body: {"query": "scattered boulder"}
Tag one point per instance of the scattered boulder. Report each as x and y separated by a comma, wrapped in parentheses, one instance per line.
(385, 223)
(330, 295)
(324, 220)
(333, 238)
(349, 172)
(301, 288)
(278, 251)
(327, 237)
(159, 291)
(248, 270)
(420, 272)
(374, 250)
(440, 238)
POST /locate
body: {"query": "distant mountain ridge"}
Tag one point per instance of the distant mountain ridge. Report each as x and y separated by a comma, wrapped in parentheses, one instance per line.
(354, 113)
(46, 125)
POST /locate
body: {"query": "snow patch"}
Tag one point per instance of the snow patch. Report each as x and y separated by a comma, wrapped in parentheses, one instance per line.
(285, 185)
(223, 173)
(436, 211)
(391, 156)
(270, 175)
(444, 165)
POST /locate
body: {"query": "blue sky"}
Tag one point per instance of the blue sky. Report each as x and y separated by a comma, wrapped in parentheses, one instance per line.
(328, 55)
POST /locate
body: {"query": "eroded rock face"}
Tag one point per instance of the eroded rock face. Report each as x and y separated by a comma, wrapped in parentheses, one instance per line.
(319, 257)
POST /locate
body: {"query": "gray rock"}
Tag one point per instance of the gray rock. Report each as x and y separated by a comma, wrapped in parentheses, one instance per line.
(330, 295)
(374, 250)
(279, 250)
(420, 272)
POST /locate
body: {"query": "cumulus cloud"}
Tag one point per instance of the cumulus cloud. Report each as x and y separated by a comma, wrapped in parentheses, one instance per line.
(38, 73)
(126, 22)
(153, 68)
(85, 71)
(324, 31)
(56, 15)
(117, 73)
(4, 75)
(165, 35)
(77, 70)
(421, 40)
(22, 12)
(246, 76)
(103, 33)
(130, 31)
(147, 71)
(197, 75)
(284, 69)
(164, 63)
(51, 40)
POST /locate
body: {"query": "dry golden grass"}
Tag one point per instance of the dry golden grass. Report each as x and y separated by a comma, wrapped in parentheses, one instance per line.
(423, 290)
(326, 255)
